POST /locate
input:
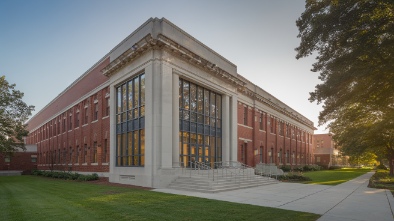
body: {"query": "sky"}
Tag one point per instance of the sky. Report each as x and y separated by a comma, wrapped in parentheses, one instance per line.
(46, 45)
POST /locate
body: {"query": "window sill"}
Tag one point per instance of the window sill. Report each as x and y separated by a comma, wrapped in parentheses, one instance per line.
(94, 164)
(94, 121)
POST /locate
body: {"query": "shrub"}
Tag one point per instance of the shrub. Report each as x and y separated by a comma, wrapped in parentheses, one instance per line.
(66, 175)
(293, 177)
(335, 167)
(381, 167)
(37, 173)
(311, 168)
(299, 169)
(285, 168)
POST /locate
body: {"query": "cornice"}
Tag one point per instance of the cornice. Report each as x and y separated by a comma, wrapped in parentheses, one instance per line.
(164, 43)
(255, 96)
(175, 49)
(129, 55)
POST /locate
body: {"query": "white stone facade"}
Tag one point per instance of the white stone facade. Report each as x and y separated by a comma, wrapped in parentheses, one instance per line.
(157, 49)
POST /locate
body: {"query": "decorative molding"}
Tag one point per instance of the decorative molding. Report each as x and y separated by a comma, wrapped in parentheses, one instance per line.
(162, 42)
(251, 94)
(175, 49)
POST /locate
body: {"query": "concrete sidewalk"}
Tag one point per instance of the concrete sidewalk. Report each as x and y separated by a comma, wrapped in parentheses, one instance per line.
(352, 200)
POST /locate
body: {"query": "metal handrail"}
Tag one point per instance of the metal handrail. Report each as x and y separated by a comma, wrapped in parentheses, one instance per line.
(229, 170)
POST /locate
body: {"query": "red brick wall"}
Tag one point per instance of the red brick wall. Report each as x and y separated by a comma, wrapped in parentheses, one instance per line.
(72, 141)
(19, 161)
(93, 79)
(324, 160)
(251, 139)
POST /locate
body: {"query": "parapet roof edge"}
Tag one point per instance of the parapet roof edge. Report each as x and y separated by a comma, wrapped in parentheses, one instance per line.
(287, 106)
(199, 42)
(90, 69)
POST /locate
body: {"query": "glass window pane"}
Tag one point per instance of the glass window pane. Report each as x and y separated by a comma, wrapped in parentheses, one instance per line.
(180, 93)
(218, 123)
(200, 118)
(142, 111)
(200, 138)
(213, 106)
(200, 100)
(119, 100)
(142, 89)
(124, 146)
(186, 115)
(193, 97)
(218, 106)
(124, 98)
(136, 91)
(142, 142)
(118, 145)
(136, 147)
(193, 117)
(130, 97)
(193, 138)
(206, 102)
(130, 144)
(185, 149)
(186, 95)
(185, 137)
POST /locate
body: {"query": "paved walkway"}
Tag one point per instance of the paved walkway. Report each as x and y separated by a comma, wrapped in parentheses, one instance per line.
(350, 201)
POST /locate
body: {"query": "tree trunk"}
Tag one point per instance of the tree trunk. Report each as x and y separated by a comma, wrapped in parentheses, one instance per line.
(390, 158)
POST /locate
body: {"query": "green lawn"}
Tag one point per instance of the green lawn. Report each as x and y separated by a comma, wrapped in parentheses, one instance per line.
(37, 198)
(334, 177)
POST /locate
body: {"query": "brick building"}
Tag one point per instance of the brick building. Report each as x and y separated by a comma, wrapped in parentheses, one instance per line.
(326, 152)
(157, 102)
(21, 160)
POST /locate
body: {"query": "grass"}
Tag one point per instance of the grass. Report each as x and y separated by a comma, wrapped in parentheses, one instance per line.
(38, 198)
(334, 177)
(382, 180)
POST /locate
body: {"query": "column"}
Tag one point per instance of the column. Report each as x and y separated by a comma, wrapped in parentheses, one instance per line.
(175, 120)
(226, 128)
(233, 129)
(166, 127)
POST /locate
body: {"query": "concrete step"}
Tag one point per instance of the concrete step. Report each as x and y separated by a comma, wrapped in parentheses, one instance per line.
(201, 183)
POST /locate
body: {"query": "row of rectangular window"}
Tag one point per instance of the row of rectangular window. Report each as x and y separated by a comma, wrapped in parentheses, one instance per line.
(281, 125)
(62, 125)
(81, 155)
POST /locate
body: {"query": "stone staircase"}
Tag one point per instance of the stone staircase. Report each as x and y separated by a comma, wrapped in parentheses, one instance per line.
(211, 181)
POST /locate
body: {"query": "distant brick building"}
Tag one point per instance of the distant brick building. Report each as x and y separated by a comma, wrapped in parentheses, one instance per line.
(22, 160)
(161, 100)
(326, 152)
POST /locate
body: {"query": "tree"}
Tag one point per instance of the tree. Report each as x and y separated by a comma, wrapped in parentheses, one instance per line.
(13, 113)
(367, 158)
(354, 43)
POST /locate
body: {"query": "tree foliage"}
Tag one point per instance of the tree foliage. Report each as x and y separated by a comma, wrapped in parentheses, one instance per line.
(13, 113)
(354, 43)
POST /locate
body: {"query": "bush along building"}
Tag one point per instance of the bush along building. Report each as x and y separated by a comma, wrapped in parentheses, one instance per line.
(161, 101)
